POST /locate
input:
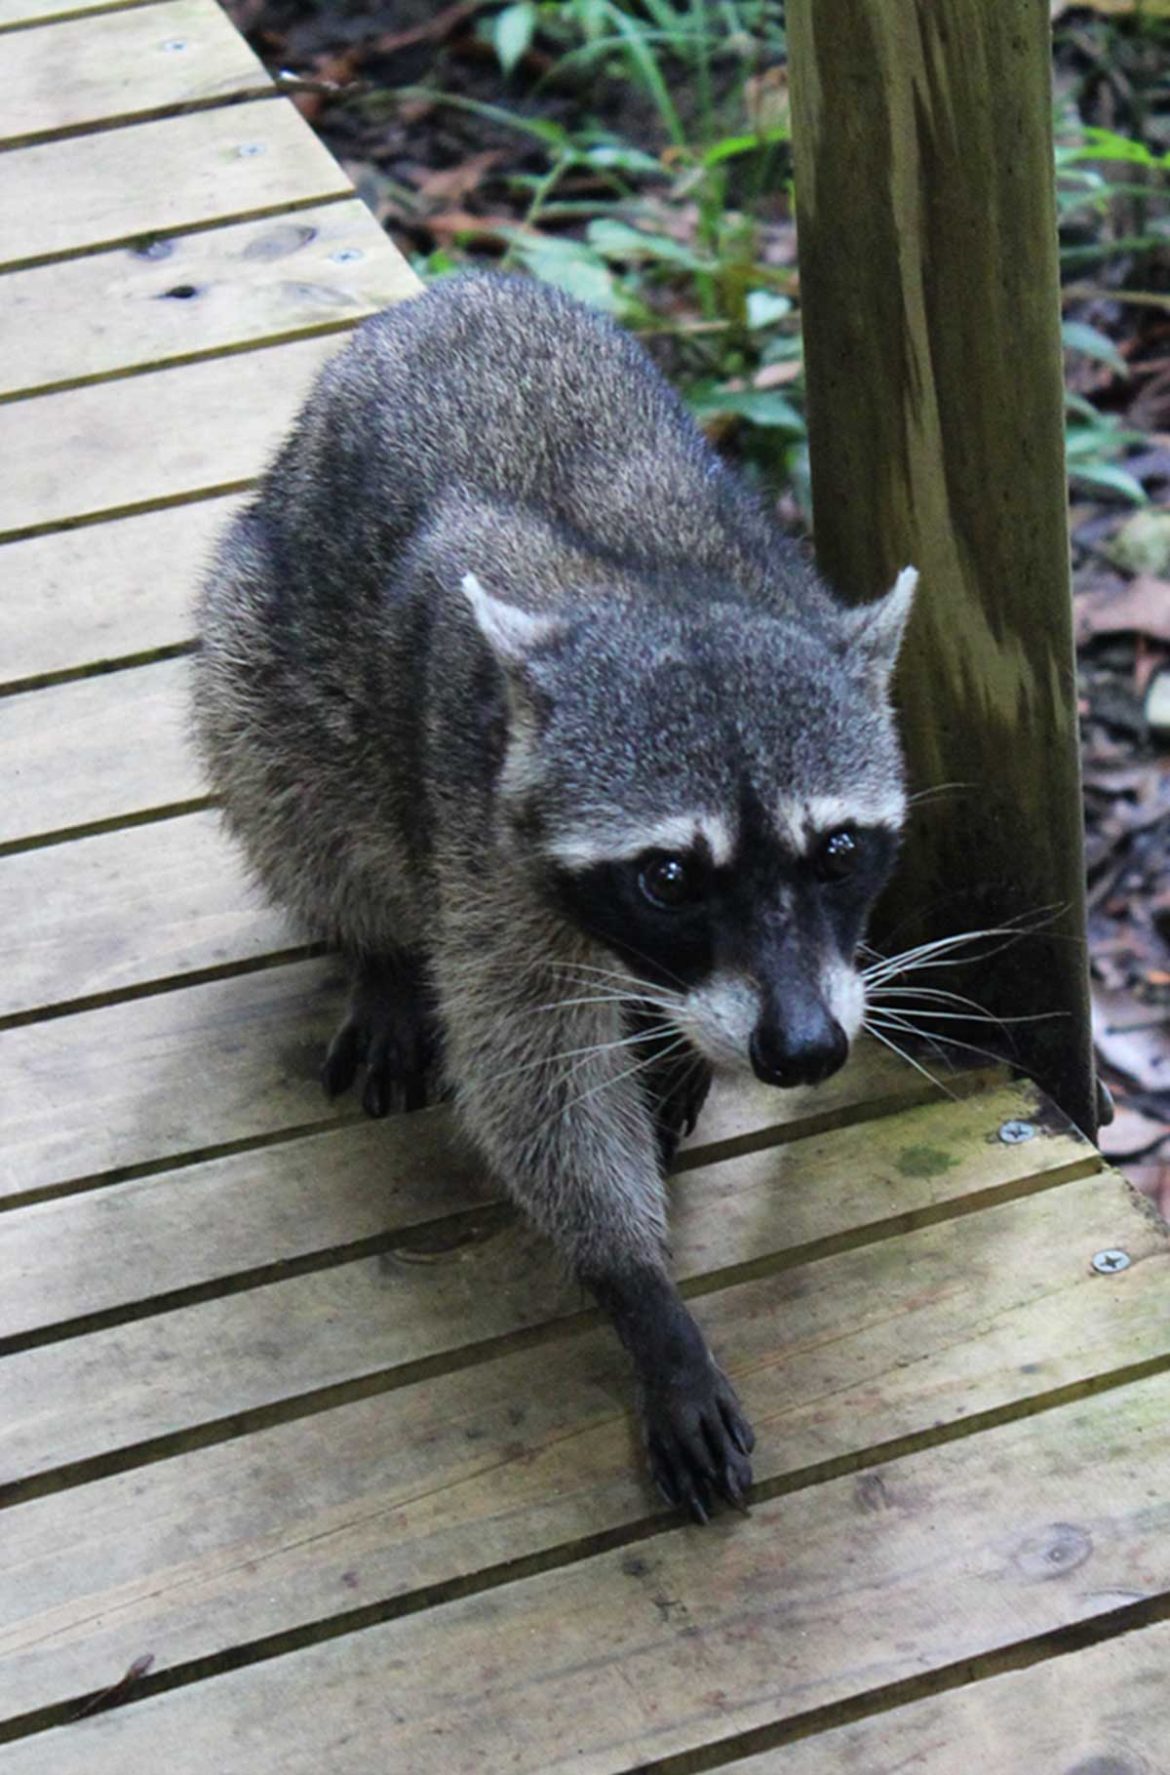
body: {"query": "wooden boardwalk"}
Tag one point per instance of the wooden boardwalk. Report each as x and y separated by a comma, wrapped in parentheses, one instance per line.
(308, 1458)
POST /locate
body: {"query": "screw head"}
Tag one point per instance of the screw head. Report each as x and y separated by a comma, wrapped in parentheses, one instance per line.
(247, 150)
(346, 255)
(173, 45)
(1015, 1133)
(1108, 1263)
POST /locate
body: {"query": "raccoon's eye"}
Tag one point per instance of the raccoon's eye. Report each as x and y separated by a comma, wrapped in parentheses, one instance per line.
(837, 855)
(668, 881)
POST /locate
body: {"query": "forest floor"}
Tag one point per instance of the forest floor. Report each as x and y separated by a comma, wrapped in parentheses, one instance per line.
(649, 173)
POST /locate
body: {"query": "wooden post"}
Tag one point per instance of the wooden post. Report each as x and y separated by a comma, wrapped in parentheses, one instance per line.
(929, 278)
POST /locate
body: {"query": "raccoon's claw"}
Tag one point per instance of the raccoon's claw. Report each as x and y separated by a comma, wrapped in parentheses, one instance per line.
(678, 1108)
(390, 1030)
(698, 1442)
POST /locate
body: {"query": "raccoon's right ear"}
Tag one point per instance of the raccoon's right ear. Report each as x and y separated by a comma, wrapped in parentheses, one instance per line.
(513, 635)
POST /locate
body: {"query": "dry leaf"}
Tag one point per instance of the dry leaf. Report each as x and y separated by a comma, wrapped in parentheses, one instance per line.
(1130, 1133)
(1143, 607)
(454, 184)
(1132, 1038)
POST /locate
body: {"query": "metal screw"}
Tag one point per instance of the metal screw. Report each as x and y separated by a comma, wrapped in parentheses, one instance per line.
(173, 44)
(1107, 1263)
(1015, 1133)
(247, 149)
(344, 255)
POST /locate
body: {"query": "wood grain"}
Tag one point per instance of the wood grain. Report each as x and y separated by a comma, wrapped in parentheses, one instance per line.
(195, 294)
(169, 434)
(651, 1650)
(78, 598)
(96, 749)
(65, 197)
(17, 14)
(121, 65)
(156, 1376)
(125, 908)
(936, 431)
(148, 1080)
(1101, 1711)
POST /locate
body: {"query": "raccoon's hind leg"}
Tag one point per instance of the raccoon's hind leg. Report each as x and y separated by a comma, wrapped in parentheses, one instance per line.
(392, 1030)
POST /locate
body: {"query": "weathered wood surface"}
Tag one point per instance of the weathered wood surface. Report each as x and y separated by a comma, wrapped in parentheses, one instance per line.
(178, 1074)
(152, 1377)
(121, 65)
(133, 907)
(660, 1647)
(16, 14)
(531, 1450)
(145, 440)
(82, 598)
(1101, 1711)
(193, 295)
(932, 345)
(66, 762)
(215, 166)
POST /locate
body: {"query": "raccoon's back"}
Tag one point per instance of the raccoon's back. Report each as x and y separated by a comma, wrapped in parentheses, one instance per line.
(504, 388)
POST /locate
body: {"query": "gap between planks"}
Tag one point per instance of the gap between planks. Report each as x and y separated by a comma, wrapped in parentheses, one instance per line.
(870, 1409)
(590, 1595)
(32, 14)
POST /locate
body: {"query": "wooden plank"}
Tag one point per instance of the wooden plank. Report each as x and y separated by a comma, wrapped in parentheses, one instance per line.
(169, 434)
(104, 592)
(1104, 1710)
(121, 65)
(433, 1483)
(243, 1352)
(648, 1651)
(943, 280)
(144, 1082)
(216, 166)
(96, 749)
(16, 14)
(250, 284)
(112, 1248)
(125, 908)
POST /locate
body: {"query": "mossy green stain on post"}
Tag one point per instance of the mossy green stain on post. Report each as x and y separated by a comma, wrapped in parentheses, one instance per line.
(929, 280)
(924, 1161)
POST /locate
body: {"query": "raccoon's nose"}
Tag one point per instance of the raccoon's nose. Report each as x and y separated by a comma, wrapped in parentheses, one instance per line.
(803, 1050)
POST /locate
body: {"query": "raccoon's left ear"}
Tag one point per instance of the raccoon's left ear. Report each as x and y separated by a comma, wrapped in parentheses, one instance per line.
(512, 634)
(873, 632)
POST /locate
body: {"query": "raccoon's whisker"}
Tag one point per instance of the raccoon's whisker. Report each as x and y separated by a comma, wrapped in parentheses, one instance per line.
(583, 1054)
(610, 998)
(908, 1058)
(934, 1040)
(932, 793)
(924, 954)
(608, 1084)
(964, 1016)
(625, 979)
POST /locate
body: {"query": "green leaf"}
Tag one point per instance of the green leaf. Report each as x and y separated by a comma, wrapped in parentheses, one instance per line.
(622, 158)
(571, 266)
(1109, 478)
(1079, 336)
(760, 406)
(731, 146)
(765, 306)
(618, 240)
(512, 32)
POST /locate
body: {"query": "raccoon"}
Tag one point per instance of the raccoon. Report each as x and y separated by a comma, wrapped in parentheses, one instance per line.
(514, 692)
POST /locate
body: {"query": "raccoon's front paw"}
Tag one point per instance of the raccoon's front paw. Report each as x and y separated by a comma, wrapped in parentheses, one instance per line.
(676, 1110)
(697, 1439)
(391, 1031)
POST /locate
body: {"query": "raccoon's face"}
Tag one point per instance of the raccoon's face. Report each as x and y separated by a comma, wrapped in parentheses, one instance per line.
(719, 803)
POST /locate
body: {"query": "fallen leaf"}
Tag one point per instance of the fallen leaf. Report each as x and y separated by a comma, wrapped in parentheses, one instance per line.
(1143, 607)
(1132, 1038)
(454, 184)
(1153, 1181)
(1130, 1133)
(777, 375)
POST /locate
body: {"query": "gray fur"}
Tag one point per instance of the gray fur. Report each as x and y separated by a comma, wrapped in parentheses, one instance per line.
(398, 755)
